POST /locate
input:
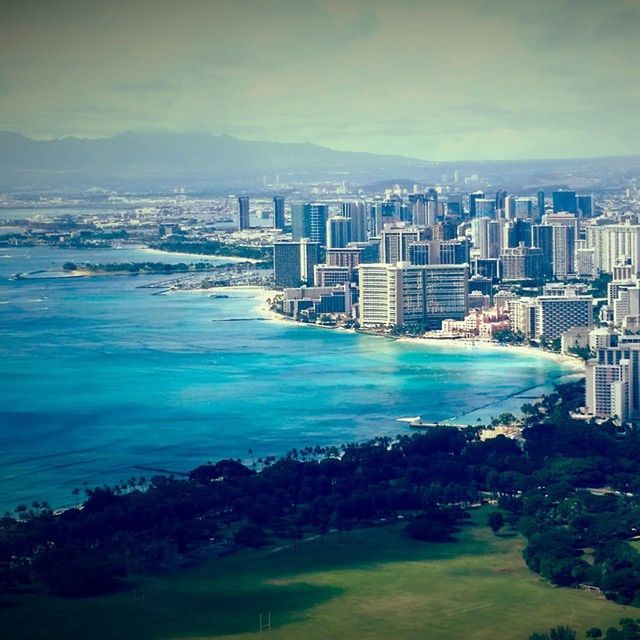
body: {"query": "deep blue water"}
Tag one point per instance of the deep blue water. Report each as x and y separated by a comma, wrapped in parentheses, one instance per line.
(98, 376)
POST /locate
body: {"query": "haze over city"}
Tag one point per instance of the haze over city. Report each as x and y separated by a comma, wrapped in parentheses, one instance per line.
(466, 80)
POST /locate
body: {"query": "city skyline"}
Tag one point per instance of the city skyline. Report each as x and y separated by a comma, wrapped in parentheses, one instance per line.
(472, 81)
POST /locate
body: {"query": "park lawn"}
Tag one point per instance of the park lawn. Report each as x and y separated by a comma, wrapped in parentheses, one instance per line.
(373, 584)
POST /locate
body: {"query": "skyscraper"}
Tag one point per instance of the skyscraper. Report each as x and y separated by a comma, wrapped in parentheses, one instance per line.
(243, 213)
(540, 197)
(395, 241)
(278, 212)
(357, 213)
(585, 206)
(397, 294)
(565, 201)
(338, 232)
(310, 221)
(472, 202)
(294, 262)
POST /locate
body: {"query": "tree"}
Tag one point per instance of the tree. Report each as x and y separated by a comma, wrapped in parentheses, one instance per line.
(495, 521)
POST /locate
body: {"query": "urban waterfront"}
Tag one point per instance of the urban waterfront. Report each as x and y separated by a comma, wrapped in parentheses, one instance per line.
(102, 378)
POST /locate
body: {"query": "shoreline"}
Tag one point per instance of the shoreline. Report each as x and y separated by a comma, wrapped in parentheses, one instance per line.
(487, 345)
(264, 294)
(210, 256)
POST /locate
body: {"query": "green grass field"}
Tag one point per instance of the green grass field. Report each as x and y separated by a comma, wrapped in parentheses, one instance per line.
(374, 584)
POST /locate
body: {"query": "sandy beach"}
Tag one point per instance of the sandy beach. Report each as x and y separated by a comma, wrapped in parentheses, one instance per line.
(468, 343)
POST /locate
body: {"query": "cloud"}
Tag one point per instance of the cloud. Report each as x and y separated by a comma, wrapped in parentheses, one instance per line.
(462, 79)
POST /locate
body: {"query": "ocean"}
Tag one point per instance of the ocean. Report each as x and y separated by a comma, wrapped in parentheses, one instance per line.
(102, 380)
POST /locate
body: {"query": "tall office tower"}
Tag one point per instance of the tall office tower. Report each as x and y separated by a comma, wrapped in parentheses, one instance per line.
(565, 233)
(395, 241)
(557, 314)
(564, 202)
(357, 213)
(486, 235)
(397, 294)
(472, 202)
(286, 264)
(278, 212)
(510, 207)
(447, 230)
(524, 208)
(348, 257)
(446, 293)
(310, 221)
(455, 251)
(243, 213)
(543, 239)
(485, 207)
(541, 210)
(518, 231)
(454, 205)
(432, 207)
(419, 212)
(522, 263)
(501, 196)
(384, 212)
(294, 262)
(338, 232)
(585, 206)
(613, 241)
(309, 258)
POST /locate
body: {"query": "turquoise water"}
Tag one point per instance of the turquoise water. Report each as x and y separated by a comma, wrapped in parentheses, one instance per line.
(99, 377)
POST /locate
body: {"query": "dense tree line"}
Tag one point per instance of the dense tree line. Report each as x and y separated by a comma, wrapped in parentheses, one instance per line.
(214, 248)
(569, 487)
(137, 267)
(628, 629)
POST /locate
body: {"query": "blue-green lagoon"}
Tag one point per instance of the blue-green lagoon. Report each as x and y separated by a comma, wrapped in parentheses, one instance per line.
(100, 378)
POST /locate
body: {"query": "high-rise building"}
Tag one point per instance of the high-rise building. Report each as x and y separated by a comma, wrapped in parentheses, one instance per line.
(486, 235)
(395, 241)
(472, 202)
(338, 232)
(347, 257)
(557, 314)
(278, 212)
(397, 294)
(612, 376)
(294, 262)
(613, 241)
(357, 213)
(541, 210)
(565, 233)
(524, 208)
(522, 263)
(585, 206)
(543, 239)
(243, 213)
(328, 276)
(485, 207)
(310, 221)
(564, 202)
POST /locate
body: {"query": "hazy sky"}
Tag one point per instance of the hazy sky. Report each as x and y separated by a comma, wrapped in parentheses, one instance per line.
(460, 79)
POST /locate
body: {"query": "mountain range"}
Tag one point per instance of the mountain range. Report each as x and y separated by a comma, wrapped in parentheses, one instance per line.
(160, 162)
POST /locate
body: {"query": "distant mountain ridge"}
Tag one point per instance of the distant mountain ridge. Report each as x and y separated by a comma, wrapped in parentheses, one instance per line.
(154, 160)
(160, 162)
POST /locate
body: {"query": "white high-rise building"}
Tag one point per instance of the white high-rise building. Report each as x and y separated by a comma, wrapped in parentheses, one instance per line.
(565, 233)
(401, 293)
(611, 241)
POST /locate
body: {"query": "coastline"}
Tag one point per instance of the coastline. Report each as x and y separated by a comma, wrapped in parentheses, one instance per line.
(486, 345)
(264, 294)
(210, 256)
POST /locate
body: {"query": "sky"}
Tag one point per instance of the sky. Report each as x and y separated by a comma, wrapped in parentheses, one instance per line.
(436, 80)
